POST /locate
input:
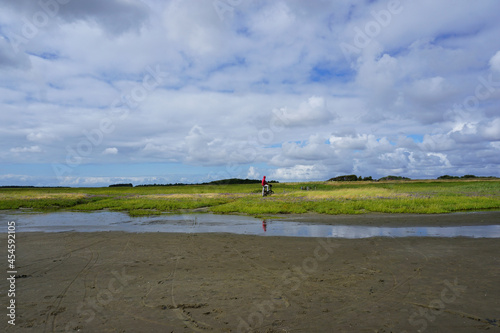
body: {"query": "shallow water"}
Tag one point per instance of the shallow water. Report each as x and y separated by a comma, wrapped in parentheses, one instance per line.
(203, 223)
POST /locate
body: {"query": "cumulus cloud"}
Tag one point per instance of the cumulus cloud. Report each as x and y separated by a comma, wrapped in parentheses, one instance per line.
(355, 142)
(495, 62)
(312, 149)
(201, 148)
(491, 131)
(114, 16)
(194, 28)
(430, 91)
(31, 149)
(41, 137)
(380, 75)
(273, 20)
(110, 151)
(305, 172)
(312, 112)
(105, 181)
(438, 142)
(253, 173)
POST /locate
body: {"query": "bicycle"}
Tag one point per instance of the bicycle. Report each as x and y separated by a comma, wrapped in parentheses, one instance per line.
(267, 190)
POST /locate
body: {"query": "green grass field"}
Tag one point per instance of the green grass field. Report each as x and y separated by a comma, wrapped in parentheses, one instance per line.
(418, 196)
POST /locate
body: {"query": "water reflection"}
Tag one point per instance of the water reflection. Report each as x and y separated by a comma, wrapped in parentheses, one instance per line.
(203, 223)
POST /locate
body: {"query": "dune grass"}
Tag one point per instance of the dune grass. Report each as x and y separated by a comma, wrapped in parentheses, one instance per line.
(422, 197)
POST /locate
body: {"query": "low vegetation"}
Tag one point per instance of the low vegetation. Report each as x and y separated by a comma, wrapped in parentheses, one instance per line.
(331, 197)
(349, 178)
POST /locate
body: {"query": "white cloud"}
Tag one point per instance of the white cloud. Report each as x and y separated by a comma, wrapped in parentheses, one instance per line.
(273, 20)
(204, 149)
(302, 172)
(438, 143)
(41, 136)
(195, 28)
(110, 151)
(491, 131)
(127, 15)
(313, 149)
(429, 90)
(495, 62)
(105, 181)
(253, 173)
(31, 149)
(379, 76)
(313, 112)
(351, 142)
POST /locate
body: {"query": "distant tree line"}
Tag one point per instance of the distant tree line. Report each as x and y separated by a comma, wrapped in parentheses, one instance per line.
(394, 178)
(239, 181)
(121, 185)
(230, 181)
(173, 184)
(349, 178)
(463, 177)
(354, 178)
(23, 186)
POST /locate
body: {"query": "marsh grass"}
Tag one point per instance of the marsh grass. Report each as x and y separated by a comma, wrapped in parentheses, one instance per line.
(348, 193)
(423, 197)
(143, 212)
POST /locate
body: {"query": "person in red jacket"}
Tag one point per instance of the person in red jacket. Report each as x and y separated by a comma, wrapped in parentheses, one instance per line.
(266, 187)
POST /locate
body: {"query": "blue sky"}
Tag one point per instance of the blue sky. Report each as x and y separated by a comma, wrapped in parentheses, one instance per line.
(100, 92)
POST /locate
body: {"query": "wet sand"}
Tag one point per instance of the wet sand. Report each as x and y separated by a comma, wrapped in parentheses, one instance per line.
(161, 282)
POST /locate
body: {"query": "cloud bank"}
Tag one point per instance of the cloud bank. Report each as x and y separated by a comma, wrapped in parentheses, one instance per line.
(171, 91)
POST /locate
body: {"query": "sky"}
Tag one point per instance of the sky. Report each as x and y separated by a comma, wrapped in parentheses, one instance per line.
(98, 92)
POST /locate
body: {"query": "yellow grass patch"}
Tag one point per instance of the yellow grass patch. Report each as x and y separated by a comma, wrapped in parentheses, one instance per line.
(359, 182)
(38, 195)
(350, 193)
(191, 195)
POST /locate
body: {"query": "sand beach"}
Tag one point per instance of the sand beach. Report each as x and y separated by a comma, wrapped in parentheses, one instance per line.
(164, 282)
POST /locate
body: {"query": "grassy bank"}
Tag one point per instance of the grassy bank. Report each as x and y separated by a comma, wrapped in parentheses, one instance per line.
(423, 197)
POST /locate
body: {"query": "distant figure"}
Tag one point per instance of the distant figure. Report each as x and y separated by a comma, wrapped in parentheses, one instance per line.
(265, 186)
(264, 225)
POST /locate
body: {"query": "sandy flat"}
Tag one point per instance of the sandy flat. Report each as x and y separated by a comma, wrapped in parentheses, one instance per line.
(161, 282)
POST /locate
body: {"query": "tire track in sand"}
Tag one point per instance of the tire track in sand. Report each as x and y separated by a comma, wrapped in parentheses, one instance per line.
(50, 319)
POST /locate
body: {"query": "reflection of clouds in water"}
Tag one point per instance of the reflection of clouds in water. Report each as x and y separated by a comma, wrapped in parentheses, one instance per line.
(422, 231)
(356, 232)
(202, 223)
(353, 232)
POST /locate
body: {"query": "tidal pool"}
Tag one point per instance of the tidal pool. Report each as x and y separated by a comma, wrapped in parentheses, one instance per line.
(203, 223)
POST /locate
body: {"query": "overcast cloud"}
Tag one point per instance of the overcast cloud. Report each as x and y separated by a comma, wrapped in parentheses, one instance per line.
(96, 92)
